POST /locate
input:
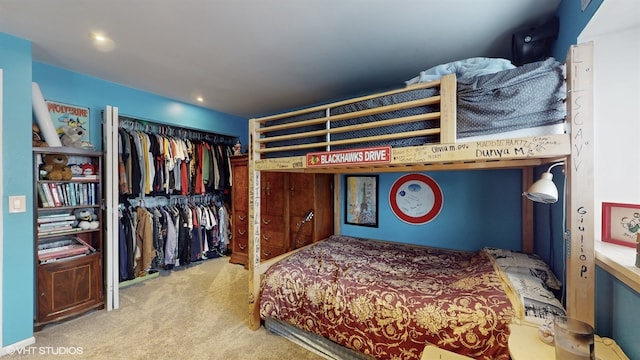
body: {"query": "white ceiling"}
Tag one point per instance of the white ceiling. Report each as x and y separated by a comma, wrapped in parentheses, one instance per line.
(254, 57)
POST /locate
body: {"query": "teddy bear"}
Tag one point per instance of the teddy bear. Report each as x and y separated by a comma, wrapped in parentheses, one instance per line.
(86, 218)
(55, 167)
(72, 136)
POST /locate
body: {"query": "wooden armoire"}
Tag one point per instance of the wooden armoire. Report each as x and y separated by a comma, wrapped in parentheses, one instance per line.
(286, 201)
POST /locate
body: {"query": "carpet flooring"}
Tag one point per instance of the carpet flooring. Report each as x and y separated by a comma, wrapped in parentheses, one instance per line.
(198, 312)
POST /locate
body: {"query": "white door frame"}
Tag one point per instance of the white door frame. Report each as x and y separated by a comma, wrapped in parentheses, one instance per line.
(110, 149)
(1, 219)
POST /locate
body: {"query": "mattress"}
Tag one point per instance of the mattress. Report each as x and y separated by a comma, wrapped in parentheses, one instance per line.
(388, 300)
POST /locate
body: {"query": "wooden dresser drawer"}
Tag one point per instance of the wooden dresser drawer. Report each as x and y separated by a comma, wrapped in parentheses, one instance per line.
(240, 231)
(267, 252)
(241, 245)
(274, 223)
(270, 237)
(272, 231)
(296, 222)
(301, 239)
(240, 238)
(240, 217)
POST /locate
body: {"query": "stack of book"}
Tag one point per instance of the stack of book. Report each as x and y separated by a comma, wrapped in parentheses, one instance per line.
(50, 224)
(67, 194)
(63, 249)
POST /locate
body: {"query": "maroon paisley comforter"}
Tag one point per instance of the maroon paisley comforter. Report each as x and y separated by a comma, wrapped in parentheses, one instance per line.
(390, 300)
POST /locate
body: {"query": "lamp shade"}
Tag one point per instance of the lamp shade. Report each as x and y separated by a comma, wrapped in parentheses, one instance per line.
(543, 190)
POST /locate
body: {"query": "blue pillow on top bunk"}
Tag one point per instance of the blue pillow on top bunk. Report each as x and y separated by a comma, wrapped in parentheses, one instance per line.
(470, 67)
(520, 263)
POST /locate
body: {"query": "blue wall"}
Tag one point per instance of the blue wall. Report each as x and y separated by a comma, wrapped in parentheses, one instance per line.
(617, 314)
(64, 86)
(572, 21)
(68, 87)
(463, 222)
(17, 252)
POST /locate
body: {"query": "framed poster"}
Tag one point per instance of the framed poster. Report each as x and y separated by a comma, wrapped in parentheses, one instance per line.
(620, 223)
(71, 116)
(415, 199)
(361, 200)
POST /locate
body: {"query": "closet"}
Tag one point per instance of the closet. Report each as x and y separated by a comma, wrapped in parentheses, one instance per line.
(173, 197)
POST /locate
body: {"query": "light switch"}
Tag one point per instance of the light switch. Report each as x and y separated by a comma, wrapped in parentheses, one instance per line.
(17, 204)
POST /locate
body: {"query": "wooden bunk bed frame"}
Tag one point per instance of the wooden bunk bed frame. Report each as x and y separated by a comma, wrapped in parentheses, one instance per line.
(575, 148)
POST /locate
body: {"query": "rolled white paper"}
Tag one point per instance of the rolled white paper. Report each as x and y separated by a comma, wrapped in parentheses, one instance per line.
(43, 117)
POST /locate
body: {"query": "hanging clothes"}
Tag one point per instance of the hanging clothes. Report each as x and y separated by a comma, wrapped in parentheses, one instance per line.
(171, 238)
(159, 165)
(144, 242)
(126, 241)
(166, 163)
(155, 238)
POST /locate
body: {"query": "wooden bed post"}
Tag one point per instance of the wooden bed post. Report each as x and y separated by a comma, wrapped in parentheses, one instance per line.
(254, 229)
(448, 115)
(337, 190)
(581, 272)
(527, 212)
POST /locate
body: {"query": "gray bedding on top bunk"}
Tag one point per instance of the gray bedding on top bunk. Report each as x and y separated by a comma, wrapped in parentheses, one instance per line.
(528, 96)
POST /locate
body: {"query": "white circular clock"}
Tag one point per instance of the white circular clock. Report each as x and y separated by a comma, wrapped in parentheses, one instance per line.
(415, 199)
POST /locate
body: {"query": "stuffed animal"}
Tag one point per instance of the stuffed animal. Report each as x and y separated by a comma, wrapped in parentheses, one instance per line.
(76, 169)
(88, 169)
(37, 140)
(237, 148)
(87, 219)
(55, 167)
(72, 136)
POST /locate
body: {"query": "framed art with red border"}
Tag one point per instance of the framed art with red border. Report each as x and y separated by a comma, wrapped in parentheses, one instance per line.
(415, 199)
(620, 223)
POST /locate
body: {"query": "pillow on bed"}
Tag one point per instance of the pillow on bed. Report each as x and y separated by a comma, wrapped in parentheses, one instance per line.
(470, 67)
(517, 262)
(539, 302)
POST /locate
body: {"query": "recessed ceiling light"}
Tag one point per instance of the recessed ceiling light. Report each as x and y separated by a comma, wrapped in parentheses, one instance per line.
(200, 99)
(102, 42)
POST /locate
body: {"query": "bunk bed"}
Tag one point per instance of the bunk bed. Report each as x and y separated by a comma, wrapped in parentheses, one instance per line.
(422, 133)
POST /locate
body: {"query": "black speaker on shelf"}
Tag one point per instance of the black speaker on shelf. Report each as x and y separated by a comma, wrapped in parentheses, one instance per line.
(534, 44)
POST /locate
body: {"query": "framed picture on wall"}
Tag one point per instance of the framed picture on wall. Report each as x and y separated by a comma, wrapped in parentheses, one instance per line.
(71, 120)
(361, 200)
(620, 223)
